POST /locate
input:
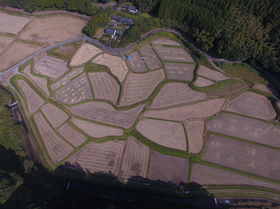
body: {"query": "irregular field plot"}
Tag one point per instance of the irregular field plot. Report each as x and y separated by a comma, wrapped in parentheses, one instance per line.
(179, 71)
(176, 93)
(195, 130)
(105, 113)
(101, 158)
(252, 104)
(211, 74)
(85, 53)
(168, 168)
(56, 147)
(173, 54)
(243, 156)
(166, 42)
(164, 133)
(229, 90)
(202, 82)
(71, 135)
(136, 63)
(4, 42)
(150, 57)
(267, 89)
(12, 24)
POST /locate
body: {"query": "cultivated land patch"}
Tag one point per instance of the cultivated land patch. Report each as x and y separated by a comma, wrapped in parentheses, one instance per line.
(211, 74)
(150, 57)
(104, 86)
(173, 54)
(54, 115)
(57, 148)
(12, 24)
(34, 101)
(4, 42)
(51, 67)
(101, 158)
(75, 91)
(165, 42)
(179, 71)
(104, 113)
(53, 29)
(206, 175)
(202, 82)
(96, 130)
(139, 87)
(135, 160)
(175, 94)
(229, 90)
(168, 168)
(243, 156)
(71, 135)
(195, 130)
(199, 110)
(267, 89)
(67, 78)
(84, 54)
(116, 65)
(41, 82)
(252, 104)
(164, 133)
(136, 63)
(246, 128)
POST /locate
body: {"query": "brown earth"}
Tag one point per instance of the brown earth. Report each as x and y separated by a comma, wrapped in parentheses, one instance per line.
(202, 82)
(165, 42)
(4, 42)
(195, 130)
(150, 57)
(136, 63)
(267, 89)
(71, 135)
(173, 54)
(12, 24)
(211, 74)
(229, 90)
(179, 71)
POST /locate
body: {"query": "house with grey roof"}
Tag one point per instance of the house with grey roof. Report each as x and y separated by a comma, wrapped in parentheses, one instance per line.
(122, 20)
(132, 9)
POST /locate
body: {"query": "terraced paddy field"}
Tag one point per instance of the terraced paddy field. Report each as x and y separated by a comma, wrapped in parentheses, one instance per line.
(150, 57)
(229, 89)
(195, 131)
(202, 82)
(178, 71)
(136, 63)
(4, 42)
(173, 54)
(165, 42)
(71, 135)
(84, 54)
(211, 74)
(12, 24)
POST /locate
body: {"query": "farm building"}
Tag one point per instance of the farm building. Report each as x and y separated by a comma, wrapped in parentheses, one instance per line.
(121, 19)
(132, 9)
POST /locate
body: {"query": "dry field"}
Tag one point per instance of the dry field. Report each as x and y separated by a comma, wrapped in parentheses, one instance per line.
(173, 54)
(116, 65)
(41, 82)
(4, 42)
(71, 135)
(165, 42)
(100, 158)
(53, 29)
(180, 71)
(57, 148)
(104, 86)
(150, 57)
(96, 130)
(202, 82)
(34, 101)
(135, 159)
(67, 78)
(168, 168)
(199, 110)
(16, 53)
(246, 128)
(54, 115)
(252, 104)
(12, 24)
(250, 158)
(136, 63)
(211, 74)
(164, 133)
(229, 90)
(175, 94)
(84, 54)
(195, 130)
(51, 67)
(75, 91)
(139, 87)
(267, 89)
(105, 113)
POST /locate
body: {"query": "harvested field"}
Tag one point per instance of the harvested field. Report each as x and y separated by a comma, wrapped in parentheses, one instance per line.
(16, 53)
(243, 156)
(71, 135)
(75, 91)
(173, 54)
(195, 130)
(105, 113)
(179, 71)
(165, 42)
(85, 53)
(104, 86)
(206, 175)
(267, 89)
(175, 94)
(139, 87)
(229, 90)
(54, 115)
(252, 104)
(100, 158)
(136, 63)
(96, 130)
(34, 101)
(67, 78)
(4, 42)
(202, 82)
(53, 29)
(211, 74)
(168, 168)
(246, 128)
(199, 110)
(41, 82)
(150, 57)
(164, 133)
(56, 147)
(135, 160)
(51, 67)
(12, 24)
(116, 65)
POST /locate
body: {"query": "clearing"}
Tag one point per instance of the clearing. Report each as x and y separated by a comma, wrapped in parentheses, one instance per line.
(211, 74)
(136, 63)
(150, 57)
(179, 71)
(12, 24)
(173, 54)
(202, 82)
(165, 42)
(4, 42)
(229, 90)
(71, 135)
(195, 130)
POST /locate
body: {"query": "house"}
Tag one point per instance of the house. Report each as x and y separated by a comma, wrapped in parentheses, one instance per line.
(121, 19)
(132, 9)
(111, 31)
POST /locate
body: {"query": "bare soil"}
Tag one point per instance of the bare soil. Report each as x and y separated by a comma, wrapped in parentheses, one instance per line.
(12, 24)
(202, 82)
(4, 42)
(136, 63)
(150, 57)
(267, 89)
(84, 54)
(71, 135)
(165, 42)
(179, 71)
(229, 90)
(211, 74)
(173, 54)
(195, 130)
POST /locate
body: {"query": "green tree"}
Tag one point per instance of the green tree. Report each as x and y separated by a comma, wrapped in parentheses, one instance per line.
(133, 35)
